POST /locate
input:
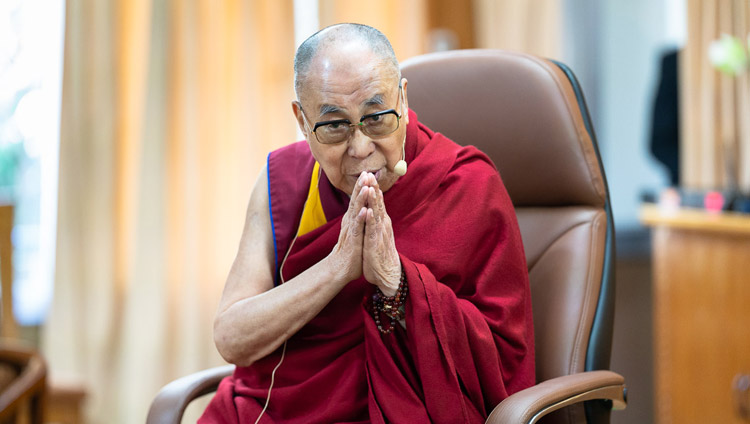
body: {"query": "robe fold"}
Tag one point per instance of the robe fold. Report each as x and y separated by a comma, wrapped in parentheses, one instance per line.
(468, 341)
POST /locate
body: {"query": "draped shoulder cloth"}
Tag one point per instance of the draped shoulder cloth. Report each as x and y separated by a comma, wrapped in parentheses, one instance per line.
(468, 341)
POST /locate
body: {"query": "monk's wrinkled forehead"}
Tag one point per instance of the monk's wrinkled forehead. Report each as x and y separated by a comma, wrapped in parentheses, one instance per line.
(351, 63)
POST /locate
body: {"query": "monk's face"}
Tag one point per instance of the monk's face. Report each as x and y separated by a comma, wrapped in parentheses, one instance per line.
(349, 82)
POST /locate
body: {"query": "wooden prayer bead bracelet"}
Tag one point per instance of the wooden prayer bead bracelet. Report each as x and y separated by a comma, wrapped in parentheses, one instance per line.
(390, 306)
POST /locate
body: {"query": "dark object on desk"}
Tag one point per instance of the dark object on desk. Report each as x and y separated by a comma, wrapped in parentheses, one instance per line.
(665, 124)
(741, 203)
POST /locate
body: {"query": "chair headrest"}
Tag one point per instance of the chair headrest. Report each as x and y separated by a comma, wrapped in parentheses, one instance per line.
(519, 109)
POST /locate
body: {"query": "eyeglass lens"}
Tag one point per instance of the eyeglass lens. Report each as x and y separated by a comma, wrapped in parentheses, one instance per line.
(378, 125)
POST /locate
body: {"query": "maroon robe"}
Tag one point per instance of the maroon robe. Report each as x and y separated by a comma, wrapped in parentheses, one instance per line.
(468, 341)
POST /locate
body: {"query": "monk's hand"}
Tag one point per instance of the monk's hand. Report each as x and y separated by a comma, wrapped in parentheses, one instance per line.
(381, 265)
(346, 256)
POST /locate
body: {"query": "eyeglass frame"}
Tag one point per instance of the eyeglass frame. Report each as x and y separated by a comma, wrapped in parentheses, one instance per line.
(359, 124)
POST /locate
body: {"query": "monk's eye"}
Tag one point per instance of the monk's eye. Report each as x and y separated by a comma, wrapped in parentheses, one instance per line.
(335, 128)
(375, 121)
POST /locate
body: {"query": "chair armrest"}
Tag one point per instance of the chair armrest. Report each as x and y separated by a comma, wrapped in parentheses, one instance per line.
(529, 405)
(170, 403)
(29, 386)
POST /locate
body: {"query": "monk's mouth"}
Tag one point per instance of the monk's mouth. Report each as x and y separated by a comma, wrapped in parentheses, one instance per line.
(376, 172)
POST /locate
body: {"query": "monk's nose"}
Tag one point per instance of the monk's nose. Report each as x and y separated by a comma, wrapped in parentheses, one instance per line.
(360, 145)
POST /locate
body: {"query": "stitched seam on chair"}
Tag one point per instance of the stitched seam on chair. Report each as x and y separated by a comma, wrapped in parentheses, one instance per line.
(555, 240)
(581, 135)
(546, 252)
(581, 330)
(587, 300)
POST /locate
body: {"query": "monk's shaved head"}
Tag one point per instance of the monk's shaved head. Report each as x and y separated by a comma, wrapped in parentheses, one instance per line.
(330, 38)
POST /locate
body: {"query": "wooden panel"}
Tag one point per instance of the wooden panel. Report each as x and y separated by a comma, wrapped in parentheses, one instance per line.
(702, 312)
(454, 15)
(9, 325)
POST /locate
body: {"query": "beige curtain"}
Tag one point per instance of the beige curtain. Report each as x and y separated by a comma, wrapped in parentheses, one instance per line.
(529, 26)
(532, 26)
(169, 110)
(403, 22)
(715, 108)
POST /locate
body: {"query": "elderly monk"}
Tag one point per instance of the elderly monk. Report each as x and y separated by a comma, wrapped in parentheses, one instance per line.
(362, 292)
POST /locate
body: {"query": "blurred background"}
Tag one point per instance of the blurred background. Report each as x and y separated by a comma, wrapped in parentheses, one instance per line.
(131, 133)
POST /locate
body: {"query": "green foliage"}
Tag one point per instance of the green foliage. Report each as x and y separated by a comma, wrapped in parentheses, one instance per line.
(11, 156)
(729, 55)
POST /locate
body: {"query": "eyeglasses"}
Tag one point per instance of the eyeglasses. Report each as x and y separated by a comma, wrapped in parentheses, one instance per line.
(373, 125)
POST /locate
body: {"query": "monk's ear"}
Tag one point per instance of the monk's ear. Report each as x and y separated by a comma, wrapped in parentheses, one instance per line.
(405, 113)
(297, 110)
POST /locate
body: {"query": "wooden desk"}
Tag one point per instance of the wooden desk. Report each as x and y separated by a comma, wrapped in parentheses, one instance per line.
(701, 265)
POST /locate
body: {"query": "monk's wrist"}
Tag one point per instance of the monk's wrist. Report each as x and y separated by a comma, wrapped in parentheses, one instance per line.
(394, 280)
(338, 271)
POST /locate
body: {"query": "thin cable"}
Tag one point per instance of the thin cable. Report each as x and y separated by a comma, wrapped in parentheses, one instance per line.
(273, 375)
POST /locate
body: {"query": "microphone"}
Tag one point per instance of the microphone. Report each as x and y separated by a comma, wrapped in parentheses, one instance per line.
(400, 168)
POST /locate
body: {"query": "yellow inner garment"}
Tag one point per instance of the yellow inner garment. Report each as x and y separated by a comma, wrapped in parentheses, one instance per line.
(312, 215)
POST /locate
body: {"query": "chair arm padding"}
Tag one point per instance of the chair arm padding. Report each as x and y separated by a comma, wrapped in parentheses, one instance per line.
(169, 405)
(529, 405)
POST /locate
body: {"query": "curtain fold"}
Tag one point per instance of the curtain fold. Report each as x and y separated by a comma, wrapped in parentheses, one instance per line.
(169, 110)
(531, 26)
(404, 23)
(714, 108)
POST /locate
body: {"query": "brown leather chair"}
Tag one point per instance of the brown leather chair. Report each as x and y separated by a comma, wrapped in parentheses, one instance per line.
(22, 384)
(529, 115)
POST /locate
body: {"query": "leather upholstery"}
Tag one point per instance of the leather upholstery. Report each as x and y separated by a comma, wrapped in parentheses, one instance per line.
(561, 277)
(583, 386)
(523, 112)
(518, 109)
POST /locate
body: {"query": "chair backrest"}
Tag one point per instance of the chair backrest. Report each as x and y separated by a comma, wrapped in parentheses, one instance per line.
(528, 114)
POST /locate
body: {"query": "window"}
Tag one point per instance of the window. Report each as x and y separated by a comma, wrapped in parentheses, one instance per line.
(31, 45)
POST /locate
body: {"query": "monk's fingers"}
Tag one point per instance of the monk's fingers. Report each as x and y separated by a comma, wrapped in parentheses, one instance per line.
(357, 228)
(383, 219)
(375, 202)
(361, 199)
(371, 229)
(380, 205)
(373, 182)
(354, 206)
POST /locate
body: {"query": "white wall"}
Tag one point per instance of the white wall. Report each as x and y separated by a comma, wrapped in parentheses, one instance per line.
(614, 47)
